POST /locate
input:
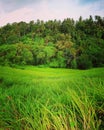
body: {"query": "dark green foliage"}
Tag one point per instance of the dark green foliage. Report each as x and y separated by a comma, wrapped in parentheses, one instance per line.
(71, 44)
(74, 64)
(84, 62)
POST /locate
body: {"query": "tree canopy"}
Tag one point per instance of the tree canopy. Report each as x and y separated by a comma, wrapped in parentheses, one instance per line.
(68, 43)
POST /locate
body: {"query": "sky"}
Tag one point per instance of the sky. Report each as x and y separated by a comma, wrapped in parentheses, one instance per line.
(28, 10)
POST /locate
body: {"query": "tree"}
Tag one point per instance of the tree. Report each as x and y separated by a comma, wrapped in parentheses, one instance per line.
(67, 43)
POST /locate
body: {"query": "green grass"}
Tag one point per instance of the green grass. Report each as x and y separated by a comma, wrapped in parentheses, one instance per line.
(33, 98)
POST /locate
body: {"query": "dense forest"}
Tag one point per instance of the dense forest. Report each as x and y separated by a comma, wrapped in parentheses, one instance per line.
(64, 44)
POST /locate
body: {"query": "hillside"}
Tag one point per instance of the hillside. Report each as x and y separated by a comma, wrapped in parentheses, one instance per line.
(58, 44)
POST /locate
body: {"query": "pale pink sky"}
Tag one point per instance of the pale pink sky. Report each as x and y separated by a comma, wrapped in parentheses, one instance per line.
(27, 10)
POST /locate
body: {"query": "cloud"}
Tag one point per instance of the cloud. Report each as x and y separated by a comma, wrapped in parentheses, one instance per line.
(27, 10)
(17, 16)
(12, 5)
(83, 2)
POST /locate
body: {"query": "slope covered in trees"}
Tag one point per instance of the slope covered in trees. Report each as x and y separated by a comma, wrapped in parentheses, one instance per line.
(67, 43)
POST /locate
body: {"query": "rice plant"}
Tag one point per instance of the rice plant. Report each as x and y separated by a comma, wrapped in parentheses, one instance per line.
(51, 99)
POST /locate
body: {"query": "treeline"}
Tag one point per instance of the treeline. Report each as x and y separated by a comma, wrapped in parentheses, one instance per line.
(67, 43)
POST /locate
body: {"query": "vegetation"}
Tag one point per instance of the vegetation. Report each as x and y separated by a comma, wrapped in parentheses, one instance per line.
(59, 44)
(38, 91)
(34, 98)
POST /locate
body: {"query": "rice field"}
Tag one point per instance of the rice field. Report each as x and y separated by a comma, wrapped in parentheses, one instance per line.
(33, 98)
